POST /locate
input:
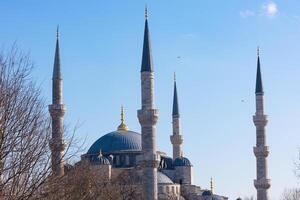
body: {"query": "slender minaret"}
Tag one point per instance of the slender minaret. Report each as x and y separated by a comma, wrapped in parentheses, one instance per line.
(176, 138)
(148, 116)
(261, 151)
(57, 111)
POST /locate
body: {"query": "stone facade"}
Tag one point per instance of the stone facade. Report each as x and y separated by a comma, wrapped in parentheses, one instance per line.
(184, 175)
(176, 138)
(148, 117)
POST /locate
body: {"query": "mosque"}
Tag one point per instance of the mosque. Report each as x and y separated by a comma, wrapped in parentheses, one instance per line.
(122, 149)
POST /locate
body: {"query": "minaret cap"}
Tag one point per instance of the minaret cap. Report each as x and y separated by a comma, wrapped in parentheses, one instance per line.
(175, 110)
(174, 76)
(259, 85)
(122, 126)
(211, 185)
(146, 12)
(57, 31)
(147, 63)
(57, 67)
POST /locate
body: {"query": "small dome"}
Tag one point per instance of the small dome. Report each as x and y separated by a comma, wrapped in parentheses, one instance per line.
(117, 141)
(182, 161)
(207, 193)
(239, 198)
(163, 179)
(99, 160)
(166, 163)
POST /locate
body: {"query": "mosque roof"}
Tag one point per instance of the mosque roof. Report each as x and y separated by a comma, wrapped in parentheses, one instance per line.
(166, 162)
(163, 179)
(99, 160)
(120, 140)
(182, 161)
(207, 193)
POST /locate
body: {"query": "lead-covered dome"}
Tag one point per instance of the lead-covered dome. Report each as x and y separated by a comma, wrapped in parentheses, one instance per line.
(182, 161)
(121, 140)
(163, 179)
(207, 193)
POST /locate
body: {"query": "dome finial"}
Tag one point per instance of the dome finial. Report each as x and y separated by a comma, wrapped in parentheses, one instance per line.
(258, 51)
(122, 126)
(174, 76)
(146, 12)
(211, 185)
(57, 31)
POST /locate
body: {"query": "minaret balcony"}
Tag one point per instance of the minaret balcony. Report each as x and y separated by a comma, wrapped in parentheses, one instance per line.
(262, 183)
(260, 120)
(176, 139)
(57, 109)
(57, 145)
(148, 116)
(262, 151)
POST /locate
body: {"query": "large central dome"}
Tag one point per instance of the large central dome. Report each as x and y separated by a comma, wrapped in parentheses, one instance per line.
(120, 140)
(116, 141)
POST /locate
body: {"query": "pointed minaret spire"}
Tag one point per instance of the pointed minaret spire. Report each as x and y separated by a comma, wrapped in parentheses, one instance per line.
(147, 64)
(259, 85)
(57, 111)
(175, 111)
(261, 150)
(56, 68)
(176, 138)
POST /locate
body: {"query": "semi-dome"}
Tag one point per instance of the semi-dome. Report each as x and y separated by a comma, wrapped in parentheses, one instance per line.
(120, 140)
(163, 179)
(182, 161)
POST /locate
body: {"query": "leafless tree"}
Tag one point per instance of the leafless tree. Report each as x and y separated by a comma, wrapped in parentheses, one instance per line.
(25, 168)
(24, 129)
(291, 194)
(86, 181)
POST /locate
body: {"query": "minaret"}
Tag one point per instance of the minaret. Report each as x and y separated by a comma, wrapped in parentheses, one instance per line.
(261, 151)
(57, 111)
(176, 138)
(148, 116)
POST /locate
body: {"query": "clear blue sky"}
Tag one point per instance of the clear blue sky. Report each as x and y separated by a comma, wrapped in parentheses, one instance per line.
(101, 47)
